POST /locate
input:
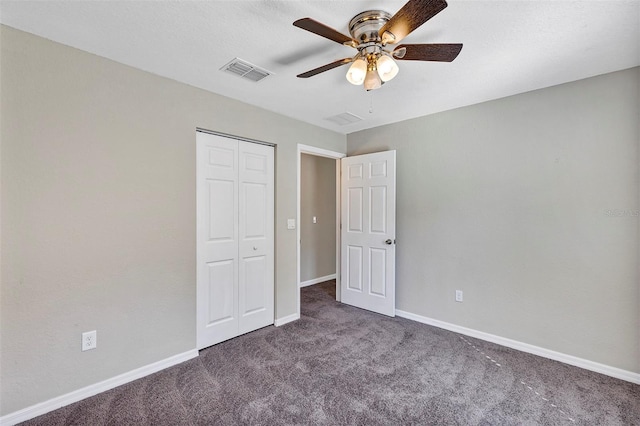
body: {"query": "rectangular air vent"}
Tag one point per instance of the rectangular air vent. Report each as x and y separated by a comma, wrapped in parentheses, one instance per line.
(246, 70)
(344, 118)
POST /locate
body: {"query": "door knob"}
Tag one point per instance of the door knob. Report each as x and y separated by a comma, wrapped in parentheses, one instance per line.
(389, 242)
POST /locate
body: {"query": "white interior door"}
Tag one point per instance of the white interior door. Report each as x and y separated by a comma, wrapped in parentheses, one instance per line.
(234, 237)
(256, 237)
(368, 193)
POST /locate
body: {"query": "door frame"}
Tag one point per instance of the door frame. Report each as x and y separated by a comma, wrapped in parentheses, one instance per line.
(318, 152)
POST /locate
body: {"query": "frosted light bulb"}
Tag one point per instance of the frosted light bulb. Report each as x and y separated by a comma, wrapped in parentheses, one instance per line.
(372, 80)
(387, 68)
(357, 72)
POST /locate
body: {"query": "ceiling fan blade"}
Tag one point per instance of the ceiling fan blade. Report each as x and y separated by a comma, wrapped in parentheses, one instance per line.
(324, 31)
(428, 52)
(324, 68)
(411, 16)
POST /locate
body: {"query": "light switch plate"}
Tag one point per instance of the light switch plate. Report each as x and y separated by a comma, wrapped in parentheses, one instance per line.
(291, 224)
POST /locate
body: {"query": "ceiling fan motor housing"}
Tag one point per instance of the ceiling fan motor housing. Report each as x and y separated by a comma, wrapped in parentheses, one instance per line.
(365, 27)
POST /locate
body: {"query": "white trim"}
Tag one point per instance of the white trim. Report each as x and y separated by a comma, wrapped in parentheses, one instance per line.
(338, 228)
(91, 390)
(607, 370)
(317, 280)
(308, 149)
(321, 152)
(229, 136)
(285, 320)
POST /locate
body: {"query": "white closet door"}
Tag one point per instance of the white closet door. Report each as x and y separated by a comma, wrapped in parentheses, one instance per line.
(234, 216)
(256, 237)
(217, 239)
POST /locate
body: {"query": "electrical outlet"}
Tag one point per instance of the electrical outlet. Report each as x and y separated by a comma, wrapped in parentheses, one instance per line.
(458, 295)
(89, 340)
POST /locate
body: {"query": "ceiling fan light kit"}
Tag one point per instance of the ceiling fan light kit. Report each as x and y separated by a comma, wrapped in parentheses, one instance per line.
(371, 31)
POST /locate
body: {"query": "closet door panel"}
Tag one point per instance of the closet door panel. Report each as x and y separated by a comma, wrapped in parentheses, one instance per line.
(253, 275)
(217, 239)
(221, 292)
(256, 286)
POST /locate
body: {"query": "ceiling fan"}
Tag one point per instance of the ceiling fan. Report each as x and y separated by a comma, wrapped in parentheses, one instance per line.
(371, 31)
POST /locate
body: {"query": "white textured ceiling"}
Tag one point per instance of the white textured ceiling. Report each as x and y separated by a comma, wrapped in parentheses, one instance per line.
(510, 47)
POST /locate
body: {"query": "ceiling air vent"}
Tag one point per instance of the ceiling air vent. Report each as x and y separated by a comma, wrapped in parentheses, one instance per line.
(344, 118)
(245, 70)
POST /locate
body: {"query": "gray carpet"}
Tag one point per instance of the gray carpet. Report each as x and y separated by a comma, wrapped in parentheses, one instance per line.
(342, 365)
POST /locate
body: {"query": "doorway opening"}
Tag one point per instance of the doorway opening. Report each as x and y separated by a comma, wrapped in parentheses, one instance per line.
(318, 218)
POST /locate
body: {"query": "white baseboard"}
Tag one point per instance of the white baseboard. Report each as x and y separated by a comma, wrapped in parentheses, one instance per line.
(80, 394)
(285, 320)
(318, 280)
(608, 370)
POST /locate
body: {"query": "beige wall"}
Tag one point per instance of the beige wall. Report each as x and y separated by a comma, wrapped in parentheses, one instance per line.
(98, 213)
(529, 205)
(317, 198)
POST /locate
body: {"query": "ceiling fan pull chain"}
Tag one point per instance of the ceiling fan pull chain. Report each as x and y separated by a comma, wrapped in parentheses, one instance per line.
(371, 102)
